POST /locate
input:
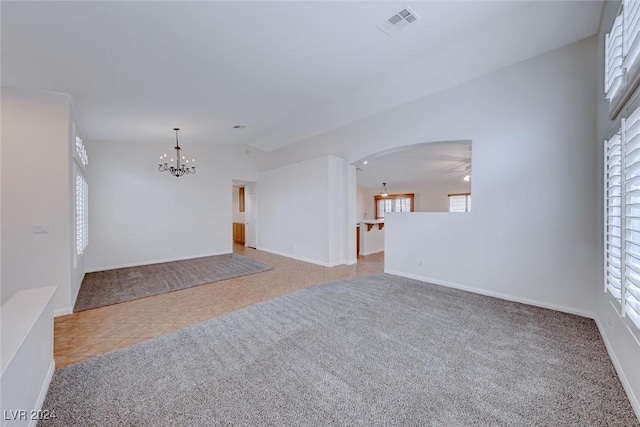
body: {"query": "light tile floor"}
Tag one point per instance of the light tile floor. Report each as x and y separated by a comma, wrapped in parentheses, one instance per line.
(90, 333)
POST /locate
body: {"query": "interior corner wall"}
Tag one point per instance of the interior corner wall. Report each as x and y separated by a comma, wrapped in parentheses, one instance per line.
(35, 191)
(337, 207)
(138, 215)
(532, 234)
(295, 218)
(621, 344)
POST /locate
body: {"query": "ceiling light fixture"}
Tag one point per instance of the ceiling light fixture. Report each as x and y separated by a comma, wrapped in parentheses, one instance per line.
(383, 193)
(467, 177)
(182, 163)
(365, 162)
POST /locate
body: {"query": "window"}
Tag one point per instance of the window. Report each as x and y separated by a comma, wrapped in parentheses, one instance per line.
(622, 216)
(393, 203)
(622, 49)
(460, 202)
(81, 152)
(81, 202)
(82, 213)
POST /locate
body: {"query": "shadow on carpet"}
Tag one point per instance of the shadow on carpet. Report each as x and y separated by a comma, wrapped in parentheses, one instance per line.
(109, 287)
(371, 351)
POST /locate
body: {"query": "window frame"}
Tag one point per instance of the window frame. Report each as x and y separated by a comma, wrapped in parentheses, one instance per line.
(377, 197)
(467, 202)
(618, 303)
(630, 79)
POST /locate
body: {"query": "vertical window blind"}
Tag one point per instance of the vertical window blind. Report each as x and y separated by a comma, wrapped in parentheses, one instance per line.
(622, 216)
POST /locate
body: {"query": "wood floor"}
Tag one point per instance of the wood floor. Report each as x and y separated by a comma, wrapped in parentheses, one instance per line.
(90, 333)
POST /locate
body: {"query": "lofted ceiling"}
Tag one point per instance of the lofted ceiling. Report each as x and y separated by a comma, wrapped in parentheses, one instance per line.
(416, 166)
(287, 70)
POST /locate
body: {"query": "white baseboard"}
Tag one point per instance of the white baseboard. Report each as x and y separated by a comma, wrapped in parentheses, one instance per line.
(157, 261)
(299, 258)
(62, 311)
(43, 391)
(635, 403)
(375, 251)
(537, 303)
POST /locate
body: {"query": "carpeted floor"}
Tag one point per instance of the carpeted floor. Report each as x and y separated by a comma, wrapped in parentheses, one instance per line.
(125, 284)
(378, 350)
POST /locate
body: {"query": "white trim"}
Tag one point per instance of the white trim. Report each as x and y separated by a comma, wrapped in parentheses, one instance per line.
(500, 295)
(48, 293)
(158, 261)
(43, 390)
(635, 403)
(62, 311)
(311, 261)
(351, 262)
(375, 251)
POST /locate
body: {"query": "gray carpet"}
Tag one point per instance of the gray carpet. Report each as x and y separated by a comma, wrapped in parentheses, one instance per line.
(378, 350)
(125, 284)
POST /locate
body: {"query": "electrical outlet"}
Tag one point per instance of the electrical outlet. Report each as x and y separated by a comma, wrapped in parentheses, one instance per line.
(40, 229)
(419, 263)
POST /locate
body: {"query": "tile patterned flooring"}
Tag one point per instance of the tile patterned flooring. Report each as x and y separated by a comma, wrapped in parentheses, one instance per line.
(90, 333)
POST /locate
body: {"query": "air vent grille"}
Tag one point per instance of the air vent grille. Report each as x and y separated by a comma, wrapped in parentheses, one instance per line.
(398, 21)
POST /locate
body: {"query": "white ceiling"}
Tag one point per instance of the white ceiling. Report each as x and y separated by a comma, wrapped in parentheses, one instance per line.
(288, 70)
(416, 166)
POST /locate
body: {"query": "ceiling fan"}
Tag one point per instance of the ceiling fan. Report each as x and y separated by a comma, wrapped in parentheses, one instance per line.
(464, 171)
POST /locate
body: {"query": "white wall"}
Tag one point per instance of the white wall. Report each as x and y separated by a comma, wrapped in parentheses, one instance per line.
(365, 203)
(237, 216)
(623, 347)
(301, 210)
(36, 171)
(532, 127)
(138, 215)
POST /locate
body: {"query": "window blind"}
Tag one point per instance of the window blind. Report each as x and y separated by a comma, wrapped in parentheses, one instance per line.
(613, 226)
(631, 28)
(613, 59)
(82, 212)
(631, 213)
(459, 202)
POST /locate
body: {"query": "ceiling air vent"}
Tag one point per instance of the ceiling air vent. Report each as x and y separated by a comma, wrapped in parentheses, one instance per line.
(398, 21)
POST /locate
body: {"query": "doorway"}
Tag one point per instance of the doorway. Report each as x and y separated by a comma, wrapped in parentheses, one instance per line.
(244, 213)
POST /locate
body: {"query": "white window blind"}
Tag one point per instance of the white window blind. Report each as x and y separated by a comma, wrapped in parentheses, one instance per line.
(631, 268)
(631, 28)
(393, 203)
(81, 152)
(82, 212)
(613, 213)
(459, 202)
(622, 216)
(613, 59)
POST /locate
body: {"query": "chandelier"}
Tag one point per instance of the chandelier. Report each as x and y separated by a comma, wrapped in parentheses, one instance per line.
(182, 163)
